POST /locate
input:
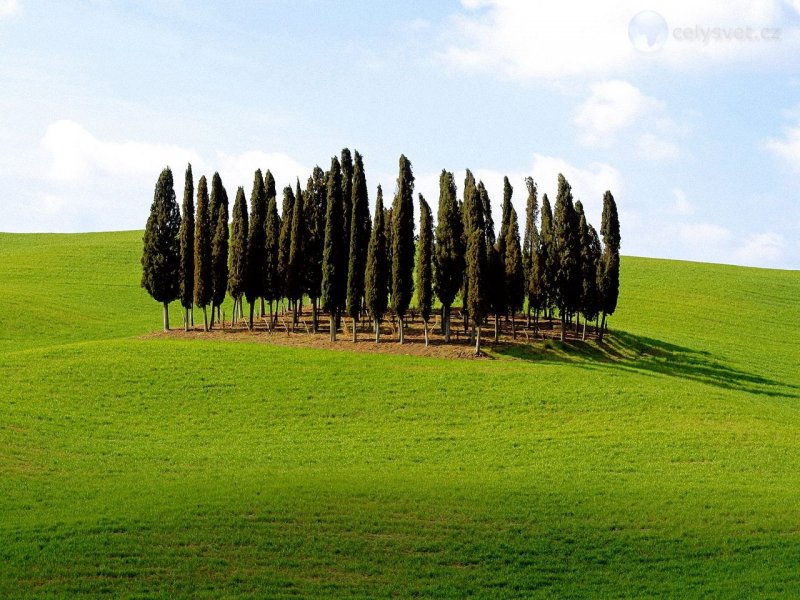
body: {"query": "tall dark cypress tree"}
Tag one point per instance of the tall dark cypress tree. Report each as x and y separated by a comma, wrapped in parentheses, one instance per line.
(346, 165)
(389, 229)
(315, 208)
(531, 255)
(403, 243)
(256, 244)
(505, 219)
(514, 272)
(494, 290)
(425, 264)
(548, 259)
(377, 273)
(568, 273)
(187, 248)
(161, 249)
(203, 289)
(219, 245)
(270, 290)
(476, 282)
(334, 257)
(295, 274)
(609, 262)
(272, 234)
(359, 241)
(237, 268)
(472, 216)
(449, 249)
(590, 258)
(285, 241)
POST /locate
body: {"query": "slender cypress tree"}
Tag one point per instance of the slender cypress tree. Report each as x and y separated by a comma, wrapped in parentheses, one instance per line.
(161, 249)
(219, 245)
(187, 248)
(494, 290)
(347, 195)
(590, 259)
(389, 230)
(403, 243)
(476, 282)
(359, 241)
(531, 254)
(377, 274)
(271, 194)
(472, 216)
(568, 274)
(238, 255)
(548, 259)
(295, 275)
(272, 233)
(505, 219)
(609, 267)
(256, 244)
(334, 278)
(449, 250)
(425, 264)
(514, 272)
(315, 208)
(284, 241)
(203, 290)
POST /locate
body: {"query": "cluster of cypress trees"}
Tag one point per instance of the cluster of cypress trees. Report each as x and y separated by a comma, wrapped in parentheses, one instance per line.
(324, 246)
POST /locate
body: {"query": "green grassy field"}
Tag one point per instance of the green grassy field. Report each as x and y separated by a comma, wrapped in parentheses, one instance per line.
(666, 464)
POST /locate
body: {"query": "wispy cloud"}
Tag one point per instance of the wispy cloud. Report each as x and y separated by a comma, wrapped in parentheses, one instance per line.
(8, 8)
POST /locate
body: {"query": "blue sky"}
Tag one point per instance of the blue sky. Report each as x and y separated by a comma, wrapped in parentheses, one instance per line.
(699, 140)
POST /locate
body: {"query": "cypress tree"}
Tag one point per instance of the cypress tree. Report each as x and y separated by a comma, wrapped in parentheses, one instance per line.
(403, 243)
(531, 255)
(568, 273)
(315, 207)
(270, 282)
(505, 219)
(334, 278)
(514, 272)
(256, 244)
(494, 290)
(272, 234)
(219, 245)
(347, 196)
(284, 241)
(377, 274)
(472, 216)
(294, 271)
(449, 249)
(203, 290)
(590, 259)
(238, 253)
(547, 256)
(161, 249)
(359, 241)
(476, 281)
(609, 262)
(425, 264)
(389, 230)
(187, 248)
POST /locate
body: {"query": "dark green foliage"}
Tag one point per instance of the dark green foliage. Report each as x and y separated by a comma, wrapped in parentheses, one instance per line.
(376, 280)
(359, 239)
(472, 211)
(272, 233)
(533, 257)
(219, 245)
(568, 250)
(494, 290)
(237, 269)
(161, 245)
(476, 280)
(388, 228)
(334, 257)
(187, 242)
(256, 242)
(514, 272)
(346, 165)
(548, 258)
(449, 252)
(295, 275)
(488, 221)
(403, 240)
(590, 261)
(425, 260)
(202, 247)
(269, 188)
(505, 220)
(315, 204)
(284, 242)
(609, 273)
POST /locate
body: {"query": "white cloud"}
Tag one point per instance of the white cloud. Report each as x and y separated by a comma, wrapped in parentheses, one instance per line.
(8, 8)
(762, 249)
(654, 147)
(682, 205)
(238, 169)
(703, 235)
(551, 40)
(786, 148)
(611, 106)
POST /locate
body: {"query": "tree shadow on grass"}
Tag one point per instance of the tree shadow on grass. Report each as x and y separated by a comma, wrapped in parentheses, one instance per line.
(622, 350)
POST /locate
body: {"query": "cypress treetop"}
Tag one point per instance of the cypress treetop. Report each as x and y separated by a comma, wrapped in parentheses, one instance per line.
(359, 238)
(161, 244)
(403, 240)
(295, 274)
(315, 208)
(449, 249)
(237, 268)
(285, 240)
(425, 259)
(202, 247)
(256, 242)
(334, 275)
(272, 234)
(514, 273)
(377, 273)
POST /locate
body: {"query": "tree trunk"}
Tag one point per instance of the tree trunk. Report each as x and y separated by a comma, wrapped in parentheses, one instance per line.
(400, 327)
(600, 329)
(314, 315)
(377, 331)
(478, 341)
(205, 318)
(425, 329)
(563, 326)
(185, 319)
(333, 325)
(211, 321)
(529, 316)
(294, 315)
(583, 335)
(496, 327)
(446, 323)
(354, 330)
(252, 310)
(513, 326)
(191, 315)
(166, 316)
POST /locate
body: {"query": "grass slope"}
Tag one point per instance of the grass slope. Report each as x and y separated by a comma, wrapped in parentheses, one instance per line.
(663, 464)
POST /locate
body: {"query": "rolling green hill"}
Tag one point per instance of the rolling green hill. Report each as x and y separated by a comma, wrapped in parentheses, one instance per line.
(664, 464)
